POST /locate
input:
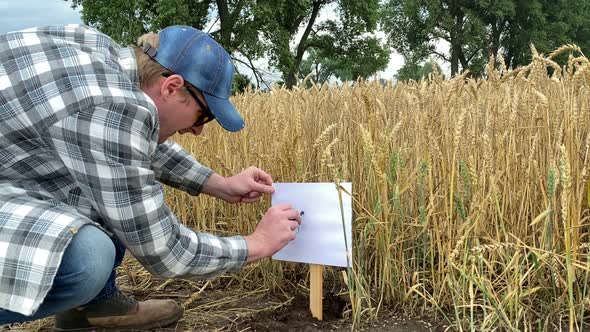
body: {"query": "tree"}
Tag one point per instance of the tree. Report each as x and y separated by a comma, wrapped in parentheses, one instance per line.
(125, 20)
(478, 29)
(320, 69)
(344, 44)
(352, 55)
(514, 25)
(412, 70)
(346, 58)
(241, 83)
(254, 28)
(414, 27)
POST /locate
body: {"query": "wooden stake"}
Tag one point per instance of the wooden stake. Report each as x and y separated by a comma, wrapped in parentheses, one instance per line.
(316, 290)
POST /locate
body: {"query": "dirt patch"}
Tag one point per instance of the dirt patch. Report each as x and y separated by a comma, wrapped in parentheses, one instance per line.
(232, 304)
(230, 310)
(297, 317)
(223, 308)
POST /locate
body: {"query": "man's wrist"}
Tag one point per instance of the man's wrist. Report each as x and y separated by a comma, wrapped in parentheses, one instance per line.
(254, 249)
(216, 186)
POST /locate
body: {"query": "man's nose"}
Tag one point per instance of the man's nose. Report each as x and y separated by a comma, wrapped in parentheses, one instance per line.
(197, 130)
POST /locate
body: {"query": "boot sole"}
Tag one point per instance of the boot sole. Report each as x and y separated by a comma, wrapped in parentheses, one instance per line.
(162, 323)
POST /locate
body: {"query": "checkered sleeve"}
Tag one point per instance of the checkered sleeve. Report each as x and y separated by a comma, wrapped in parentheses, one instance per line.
(107, 150)
(175, 167)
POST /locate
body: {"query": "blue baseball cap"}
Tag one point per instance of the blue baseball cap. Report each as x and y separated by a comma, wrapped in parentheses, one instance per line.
(201, 61)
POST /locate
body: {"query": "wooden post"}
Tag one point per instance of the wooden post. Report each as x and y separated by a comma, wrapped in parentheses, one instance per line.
(316, 290)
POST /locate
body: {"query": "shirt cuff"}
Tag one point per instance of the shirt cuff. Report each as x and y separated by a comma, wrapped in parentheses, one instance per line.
(239, 252)
(202, 175)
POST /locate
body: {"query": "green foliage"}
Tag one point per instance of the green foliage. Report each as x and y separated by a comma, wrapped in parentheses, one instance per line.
(412, 70)
(465, 180)
(409, 71)
(346, 57)
(258, 28)
(551, 183)
(366, 13)
(125, 20)
(343, 48)
(320, 69)
(476, 30)
(240, 83)
(460, 206)
(414, 27)
(352, 54)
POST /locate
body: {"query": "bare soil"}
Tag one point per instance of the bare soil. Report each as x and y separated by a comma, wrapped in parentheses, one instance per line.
(225, 305)
(260, 313)
(263, 312)
(297, 317)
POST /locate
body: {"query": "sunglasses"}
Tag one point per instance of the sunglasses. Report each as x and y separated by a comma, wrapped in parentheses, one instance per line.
(207, 115)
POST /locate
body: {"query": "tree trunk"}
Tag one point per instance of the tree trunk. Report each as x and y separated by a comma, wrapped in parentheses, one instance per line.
(455, 50)
(457, 41)
(227, 21)
(291, 77)
(224, 22)
(498, 27)
(508, 58)
(495, 44)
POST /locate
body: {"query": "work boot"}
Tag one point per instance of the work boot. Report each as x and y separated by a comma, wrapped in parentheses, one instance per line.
(121, 313)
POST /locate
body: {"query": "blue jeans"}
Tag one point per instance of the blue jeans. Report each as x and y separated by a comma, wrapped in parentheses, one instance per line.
(86, 275)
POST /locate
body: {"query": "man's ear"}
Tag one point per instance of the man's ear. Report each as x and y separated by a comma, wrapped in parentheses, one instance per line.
(171, 85)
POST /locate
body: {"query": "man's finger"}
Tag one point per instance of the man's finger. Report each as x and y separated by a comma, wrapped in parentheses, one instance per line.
(293, 225)
(294, 215)
(263, 177)
(251, 197)
(253, 194)
(262, 188)
(283, 206)
(249, 200)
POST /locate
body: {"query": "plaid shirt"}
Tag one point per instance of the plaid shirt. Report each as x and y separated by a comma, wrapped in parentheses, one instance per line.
(78, 146)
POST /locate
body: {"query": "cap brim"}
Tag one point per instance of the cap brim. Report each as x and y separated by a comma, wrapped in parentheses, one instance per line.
(225, 113)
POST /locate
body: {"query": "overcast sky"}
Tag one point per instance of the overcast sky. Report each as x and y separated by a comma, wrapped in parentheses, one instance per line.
(22, 14)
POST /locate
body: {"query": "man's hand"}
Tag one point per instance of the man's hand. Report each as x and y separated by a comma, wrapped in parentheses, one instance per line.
(245, 187)
(273, 232)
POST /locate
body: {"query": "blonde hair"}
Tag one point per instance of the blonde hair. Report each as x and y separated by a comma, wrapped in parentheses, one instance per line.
(150, 70)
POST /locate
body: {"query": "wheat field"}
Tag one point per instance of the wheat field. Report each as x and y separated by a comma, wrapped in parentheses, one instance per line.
(470, 196)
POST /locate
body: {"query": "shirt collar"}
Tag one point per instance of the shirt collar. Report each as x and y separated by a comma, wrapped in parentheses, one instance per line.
(129, 63)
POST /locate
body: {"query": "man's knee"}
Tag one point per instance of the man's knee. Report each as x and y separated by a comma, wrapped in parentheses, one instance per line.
(87, 263)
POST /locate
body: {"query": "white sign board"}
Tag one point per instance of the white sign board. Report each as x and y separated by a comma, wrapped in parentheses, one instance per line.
(320, 237)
